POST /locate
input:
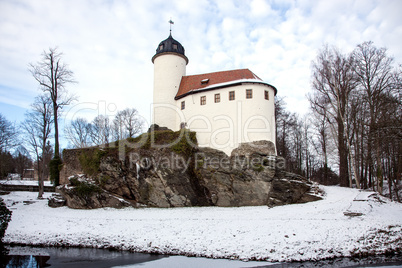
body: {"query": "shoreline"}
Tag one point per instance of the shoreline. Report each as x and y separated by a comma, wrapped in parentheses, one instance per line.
(367, 261)
(302, 232)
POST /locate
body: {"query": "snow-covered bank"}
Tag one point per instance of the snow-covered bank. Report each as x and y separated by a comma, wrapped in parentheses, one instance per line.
(24, 182)
(299, 232)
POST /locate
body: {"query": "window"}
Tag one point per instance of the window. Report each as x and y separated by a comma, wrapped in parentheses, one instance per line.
(205, 81)
(231, 95)
(249, 93)
(203, 100)
(183, 105)
(161, 47)
(266, 94)
(217, 98)
(175, 46)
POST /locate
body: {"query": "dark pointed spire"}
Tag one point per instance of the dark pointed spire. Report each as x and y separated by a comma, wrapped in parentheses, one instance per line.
(171, 22)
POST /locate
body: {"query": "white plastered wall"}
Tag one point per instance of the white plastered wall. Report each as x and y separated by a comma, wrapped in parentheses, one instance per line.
(226, 124)
(168, 71)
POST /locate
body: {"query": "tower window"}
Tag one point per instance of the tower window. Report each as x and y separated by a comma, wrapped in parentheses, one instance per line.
(231, 95)
(161, 47)
(203, 100)
(249, 93)
(175, 46)
(217, 97)
(183, 105)
(266, 94)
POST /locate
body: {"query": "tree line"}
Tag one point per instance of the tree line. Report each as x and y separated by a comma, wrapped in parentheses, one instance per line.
(355, 122)
(103, 130)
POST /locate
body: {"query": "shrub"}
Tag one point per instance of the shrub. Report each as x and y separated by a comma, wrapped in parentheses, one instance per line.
(90, 161)
(185, 145)
(84, 189)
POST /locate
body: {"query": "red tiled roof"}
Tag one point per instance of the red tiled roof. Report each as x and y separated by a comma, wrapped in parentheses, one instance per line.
(193, 82)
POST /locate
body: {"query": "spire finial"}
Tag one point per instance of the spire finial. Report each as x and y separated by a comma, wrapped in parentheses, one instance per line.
(171, 22)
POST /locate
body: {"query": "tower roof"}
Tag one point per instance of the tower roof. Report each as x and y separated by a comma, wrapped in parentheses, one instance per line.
(170, 46)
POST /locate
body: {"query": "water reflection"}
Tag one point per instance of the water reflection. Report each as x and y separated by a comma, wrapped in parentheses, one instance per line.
(85, 257)
(73, 257)
(18, 261)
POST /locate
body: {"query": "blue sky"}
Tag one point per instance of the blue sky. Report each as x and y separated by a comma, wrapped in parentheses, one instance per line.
(109, 44)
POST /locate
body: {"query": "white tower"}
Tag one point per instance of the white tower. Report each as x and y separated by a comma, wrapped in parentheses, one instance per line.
(169, 67)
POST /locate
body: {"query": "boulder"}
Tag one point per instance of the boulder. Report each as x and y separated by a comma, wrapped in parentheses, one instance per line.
(56, 200)
(262, 147)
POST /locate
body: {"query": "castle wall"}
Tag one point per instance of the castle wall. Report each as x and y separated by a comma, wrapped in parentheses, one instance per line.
(168, 71)
(71, 164)
(226, 124)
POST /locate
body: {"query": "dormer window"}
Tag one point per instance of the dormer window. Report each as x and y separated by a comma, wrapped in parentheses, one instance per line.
(175, 46)
(205, 81)
(161, 47)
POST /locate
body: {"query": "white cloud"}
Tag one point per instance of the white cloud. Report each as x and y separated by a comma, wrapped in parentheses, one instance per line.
(109, 44)
(260, 8)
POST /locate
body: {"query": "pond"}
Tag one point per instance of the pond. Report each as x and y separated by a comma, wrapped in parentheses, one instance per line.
(101, 258)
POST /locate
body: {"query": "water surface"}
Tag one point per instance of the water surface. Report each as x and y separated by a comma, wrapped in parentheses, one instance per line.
(102, 258)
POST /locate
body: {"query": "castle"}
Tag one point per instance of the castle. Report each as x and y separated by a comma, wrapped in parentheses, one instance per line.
(224, 108)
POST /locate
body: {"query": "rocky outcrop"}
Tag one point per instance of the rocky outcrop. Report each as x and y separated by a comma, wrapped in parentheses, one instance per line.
(179, 176)
(83, 193)
(262, 148)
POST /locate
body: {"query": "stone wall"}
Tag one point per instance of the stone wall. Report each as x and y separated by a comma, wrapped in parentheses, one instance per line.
(71, 164)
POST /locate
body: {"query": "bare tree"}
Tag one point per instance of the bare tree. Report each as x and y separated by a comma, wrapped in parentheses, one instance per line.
(320, 124)
(37, 126)
(53, 75)
(127, 124)
(78, 133)
(333, 83)
(22, 160)
(100, 130)
(284, 121)
(8, 134)
(374, 71)
(8, 140)
(118, 127)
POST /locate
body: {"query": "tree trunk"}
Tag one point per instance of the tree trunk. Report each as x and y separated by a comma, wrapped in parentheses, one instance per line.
(41, 185)
(379, 168)
(56, 131)
(343, 156)
(40, 193)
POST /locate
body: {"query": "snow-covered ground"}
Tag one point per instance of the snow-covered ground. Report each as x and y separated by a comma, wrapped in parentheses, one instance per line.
(311, 231)
(24, 182)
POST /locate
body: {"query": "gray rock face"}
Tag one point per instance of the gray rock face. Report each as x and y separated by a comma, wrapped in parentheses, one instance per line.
(253, 175)
(262, 147)
(82, 193)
